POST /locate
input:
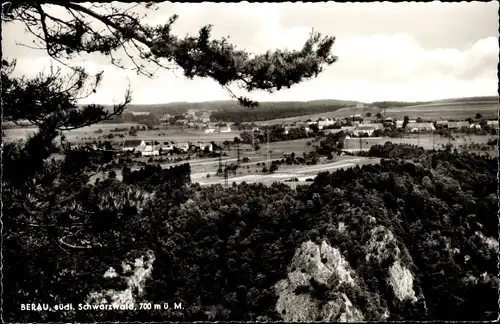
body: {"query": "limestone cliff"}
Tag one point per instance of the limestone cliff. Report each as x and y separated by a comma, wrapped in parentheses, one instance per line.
(135, 274)
(322, 264)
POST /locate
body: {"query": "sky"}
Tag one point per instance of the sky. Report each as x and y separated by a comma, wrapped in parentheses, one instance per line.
(386, 51)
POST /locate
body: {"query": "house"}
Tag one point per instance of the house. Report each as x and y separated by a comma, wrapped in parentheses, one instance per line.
(190, 114)
(226, 129)
(203, 146)
(493, 124)
(148, 149)
(131, 145)
(457, 125)
(399, 123)
(332, 131)
(476, 126)
(167, 147)
(182, 146)
(209, 130)
(347, 129)
(442, 123)
(357, 117)
(360, 105)
(205, 117)
(368, 129)
(165, 118)
(140, 113)
(326, 122)
(182, 121)
(419, 127)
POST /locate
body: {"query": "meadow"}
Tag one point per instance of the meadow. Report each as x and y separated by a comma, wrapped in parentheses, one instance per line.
(178, 135)
(460, 110)
(14, 134)
(432, 111)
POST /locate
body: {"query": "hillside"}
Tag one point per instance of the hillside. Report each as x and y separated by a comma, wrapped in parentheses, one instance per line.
(468, 99)
(230, 110)
(412, 239)
(233, 105)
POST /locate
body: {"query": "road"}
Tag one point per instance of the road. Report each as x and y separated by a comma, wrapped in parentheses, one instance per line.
(301, 172)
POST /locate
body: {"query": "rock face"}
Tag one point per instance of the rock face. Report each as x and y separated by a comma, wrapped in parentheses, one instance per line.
(491, 242)
(380, 247)
(401, 281)
(136, 275)
(322, 264)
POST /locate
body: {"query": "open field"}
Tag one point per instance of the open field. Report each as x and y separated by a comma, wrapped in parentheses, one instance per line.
(88, 131)
(461, 110)
(427, 141)
(210, 165)
(342, 112)
(172, 134)
(178, 135)
(301, 172)
(434, 111)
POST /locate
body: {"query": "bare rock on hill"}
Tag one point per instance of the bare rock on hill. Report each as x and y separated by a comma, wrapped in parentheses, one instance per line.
(326, 266)
(381, 246)
(135, 275)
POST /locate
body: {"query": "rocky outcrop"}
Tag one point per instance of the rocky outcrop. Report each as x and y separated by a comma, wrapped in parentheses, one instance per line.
(381, 246)
(135, 275)
(326, 266)
(401, 281)
(491, 242)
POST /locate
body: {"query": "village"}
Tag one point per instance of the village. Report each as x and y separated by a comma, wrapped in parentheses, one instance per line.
(354, 126)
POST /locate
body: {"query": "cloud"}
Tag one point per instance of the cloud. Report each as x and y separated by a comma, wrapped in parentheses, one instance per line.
(375, 63)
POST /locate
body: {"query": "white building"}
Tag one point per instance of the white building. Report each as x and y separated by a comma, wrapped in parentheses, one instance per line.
(148, 149)
(365, 129)
(456, 125)
(347, 129)
(165, 118)
(226, 129)
(203, 146)
(326, 122)
(182, 146)
(209, 130)
(360, 105)
(191, 114)
(493, 124)
(131, 145)
(419, 127)
(442, 122)
(167, 147)
(140, 113)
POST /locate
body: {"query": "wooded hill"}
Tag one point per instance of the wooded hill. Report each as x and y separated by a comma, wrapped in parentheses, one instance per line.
(416, 237)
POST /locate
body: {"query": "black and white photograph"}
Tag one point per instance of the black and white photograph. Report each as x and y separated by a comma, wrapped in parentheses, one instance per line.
(250, 162)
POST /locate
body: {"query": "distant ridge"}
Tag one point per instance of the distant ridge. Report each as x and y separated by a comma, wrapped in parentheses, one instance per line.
(467, 99)
(328, 104)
